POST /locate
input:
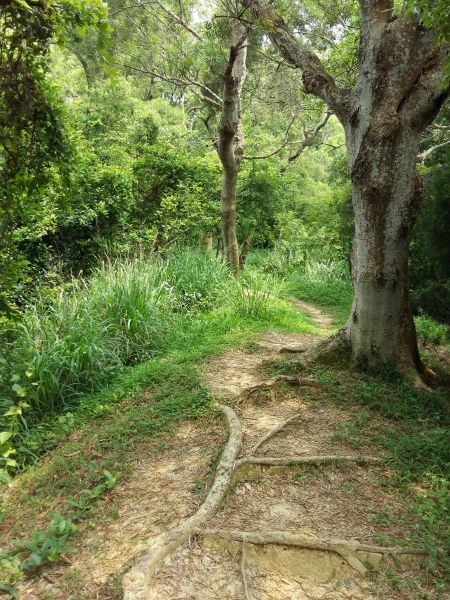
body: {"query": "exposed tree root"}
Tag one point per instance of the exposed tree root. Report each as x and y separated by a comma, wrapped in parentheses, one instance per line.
(136, 581)
(291, 461)
(137, 578)
(347, 549)
(279, 379)
(292, 350)
(274, 431)
(331, 350)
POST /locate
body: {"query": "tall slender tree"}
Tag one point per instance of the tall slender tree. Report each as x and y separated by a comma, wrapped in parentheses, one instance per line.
(230, 145)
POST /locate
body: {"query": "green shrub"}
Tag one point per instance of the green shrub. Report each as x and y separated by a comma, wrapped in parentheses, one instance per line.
(434, 300)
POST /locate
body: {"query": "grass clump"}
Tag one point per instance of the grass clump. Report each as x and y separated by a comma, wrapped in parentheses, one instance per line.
(252, 295)
(198, 281)
(430, 331)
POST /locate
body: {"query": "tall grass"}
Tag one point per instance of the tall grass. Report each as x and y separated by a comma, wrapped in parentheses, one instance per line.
(251, 295)
(127, 312)
(430, 331)
(198, 280)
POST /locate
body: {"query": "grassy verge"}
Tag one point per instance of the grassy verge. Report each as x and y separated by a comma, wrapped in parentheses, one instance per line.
(325, 283)
(91, 334)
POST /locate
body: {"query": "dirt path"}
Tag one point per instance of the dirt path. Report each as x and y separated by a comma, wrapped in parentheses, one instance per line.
(332, 500)
(320, 317)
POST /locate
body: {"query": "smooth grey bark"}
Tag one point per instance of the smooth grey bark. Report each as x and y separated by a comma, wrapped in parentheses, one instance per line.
(397, 95)
(230, 146)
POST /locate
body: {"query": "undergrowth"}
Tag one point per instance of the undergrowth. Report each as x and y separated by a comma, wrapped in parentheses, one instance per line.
(325, 283)
(30, 555)
(128, 312)
(109, 430)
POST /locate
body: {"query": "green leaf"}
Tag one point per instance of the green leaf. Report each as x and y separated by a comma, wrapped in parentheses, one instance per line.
(5, 436)
(4, 476)
(20, 391)
(24, 5)
(35, 559)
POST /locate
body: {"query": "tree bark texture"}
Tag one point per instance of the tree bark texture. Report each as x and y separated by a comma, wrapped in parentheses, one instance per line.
(398, 93)
(208, 241)
(245, 248)
(231, 141)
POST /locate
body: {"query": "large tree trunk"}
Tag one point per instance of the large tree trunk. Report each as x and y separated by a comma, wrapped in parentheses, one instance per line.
(383, 129)
(398, 92)
(386, 195)
(231, 141)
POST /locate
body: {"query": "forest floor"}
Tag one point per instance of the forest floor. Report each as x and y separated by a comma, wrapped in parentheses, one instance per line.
(352, 501)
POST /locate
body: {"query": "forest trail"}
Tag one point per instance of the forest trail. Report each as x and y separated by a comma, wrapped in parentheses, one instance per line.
(317, 315)
(336, 500)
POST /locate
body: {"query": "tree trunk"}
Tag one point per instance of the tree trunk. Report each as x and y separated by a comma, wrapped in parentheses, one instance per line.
(231, 142)
(383, 130)
(245, 248)
(385, 201)
(208, 241)
(86, 68)
(398, 93)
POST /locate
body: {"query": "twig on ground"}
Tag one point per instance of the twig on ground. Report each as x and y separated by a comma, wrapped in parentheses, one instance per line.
(289, 461)
(244, 578)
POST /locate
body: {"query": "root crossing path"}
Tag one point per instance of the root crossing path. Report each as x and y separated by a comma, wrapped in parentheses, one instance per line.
(290, 511)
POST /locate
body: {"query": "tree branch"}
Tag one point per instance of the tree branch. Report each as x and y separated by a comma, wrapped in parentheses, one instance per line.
(310, 135)
(315, 78)
(215, 99)
(170, 13)
(178, 20)
(283, 145)
(424, 155)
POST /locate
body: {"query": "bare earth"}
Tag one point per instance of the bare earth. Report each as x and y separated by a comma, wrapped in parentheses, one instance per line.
(330, 501)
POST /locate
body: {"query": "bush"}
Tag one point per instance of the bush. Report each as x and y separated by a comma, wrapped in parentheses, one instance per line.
(434, 299)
